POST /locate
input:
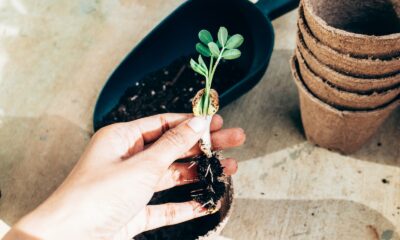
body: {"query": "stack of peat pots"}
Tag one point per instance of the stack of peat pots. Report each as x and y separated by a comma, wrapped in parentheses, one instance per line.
(347, 69)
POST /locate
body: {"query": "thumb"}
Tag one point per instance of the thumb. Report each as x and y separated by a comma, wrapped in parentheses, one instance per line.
(175, 142)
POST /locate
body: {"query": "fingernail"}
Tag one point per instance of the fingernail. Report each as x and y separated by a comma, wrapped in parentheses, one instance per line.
(197, 124)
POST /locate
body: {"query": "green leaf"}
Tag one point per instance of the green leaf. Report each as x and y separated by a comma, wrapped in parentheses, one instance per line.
(222, 35)
(234, 42)
(203, 50)
(219, 44)
(214, 49)
(231, 54)
(202, 63)
(194, 64)
(197, 68)
(205, 36)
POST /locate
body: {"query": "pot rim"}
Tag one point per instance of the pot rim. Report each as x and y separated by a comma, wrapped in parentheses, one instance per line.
(337, 31)
(302, 24)
(356, 79)
(332, 86)
(299, 82)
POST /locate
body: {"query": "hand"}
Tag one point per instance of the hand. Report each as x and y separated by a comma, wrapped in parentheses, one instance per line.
(106, 194)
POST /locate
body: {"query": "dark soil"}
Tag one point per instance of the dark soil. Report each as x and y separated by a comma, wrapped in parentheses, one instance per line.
(208, 190)
(212, 187)
(186, 231)
(169, 89)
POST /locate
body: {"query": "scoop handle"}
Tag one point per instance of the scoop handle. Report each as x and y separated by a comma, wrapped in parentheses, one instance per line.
(276, 8)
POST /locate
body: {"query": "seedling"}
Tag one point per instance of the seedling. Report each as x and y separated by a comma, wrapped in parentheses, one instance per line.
(206, 104)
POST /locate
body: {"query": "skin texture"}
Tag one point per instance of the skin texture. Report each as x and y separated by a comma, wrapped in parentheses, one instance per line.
(106, 194)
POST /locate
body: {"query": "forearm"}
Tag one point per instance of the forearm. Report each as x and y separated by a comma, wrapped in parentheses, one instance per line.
(48, 221)
(16, 234)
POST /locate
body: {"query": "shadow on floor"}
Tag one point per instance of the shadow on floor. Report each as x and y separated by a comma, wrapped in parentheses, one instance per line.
(31, 172)
(269, 113)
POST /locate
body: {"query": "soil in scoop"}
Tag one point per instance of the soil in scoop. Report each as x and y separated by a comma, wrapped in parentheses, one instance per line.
(169, 89)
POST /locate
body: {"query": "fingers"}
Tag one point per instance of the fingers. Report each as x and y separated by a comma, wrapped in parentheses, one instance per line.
(175, 142)
(185, 173)
(155, 216)
(131, 137)
(222, 139)
(216, 123)
(153, 127)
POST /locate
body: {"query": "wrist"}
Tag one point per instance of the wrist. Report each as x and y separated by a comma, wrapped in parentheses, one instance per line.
(36, 225)
(46, 222)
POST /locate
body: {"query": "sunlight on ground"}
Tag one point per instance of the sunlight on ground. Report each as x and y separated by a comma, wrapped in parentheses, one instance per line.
(334, 175)
(1, 116)
(280, 174)
(8, 31)
(4, 58)
(17, 4)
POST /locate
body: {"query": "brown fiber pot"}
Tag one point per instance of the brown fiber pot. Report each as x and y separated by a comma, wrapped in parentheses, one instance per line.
(344, 63)
(342, 99)
(358, 27)
(328, 127)
(205, 228)
(224, 213)
(343, 81)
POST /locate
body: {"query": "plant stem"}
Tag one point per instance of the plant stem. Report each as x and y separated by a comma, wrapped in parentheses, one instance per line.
(207, 88)
(209, 68)
(209, 80)
(215, 65)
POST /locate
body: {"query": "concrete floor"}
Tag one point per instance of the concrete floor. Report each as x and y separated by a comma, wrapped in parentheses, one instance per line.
(55, 58)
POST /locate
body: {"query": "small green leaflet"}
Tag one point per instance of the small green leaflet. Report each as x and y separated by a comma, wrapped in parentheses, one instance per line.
(234, 42)
(197, 67)
(203, 50)
(231, 54)
(222, 35)
(205, 36)
(202, 63)
(214, 49)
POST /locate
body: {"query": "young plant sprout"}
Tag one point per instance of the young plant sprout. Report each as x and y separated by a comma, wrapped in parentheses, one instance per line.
(206, 104)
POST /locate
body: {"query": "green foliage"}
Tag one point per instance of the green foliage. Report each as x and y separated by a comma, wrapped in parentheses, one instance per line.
(202, 63)
(203, 50)
(234, 42)
(222, 35)
(198, 68)
(224, 48)
(205, 36)
(231, 54)
(214, 49)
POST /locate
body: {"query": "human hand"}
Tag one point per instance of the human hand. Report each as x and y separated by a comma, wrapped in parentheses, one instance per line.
(106, 194)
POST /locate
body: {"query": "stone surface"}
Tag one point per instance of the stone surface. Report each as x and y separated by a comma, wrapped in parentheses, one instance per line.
(55, 58)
